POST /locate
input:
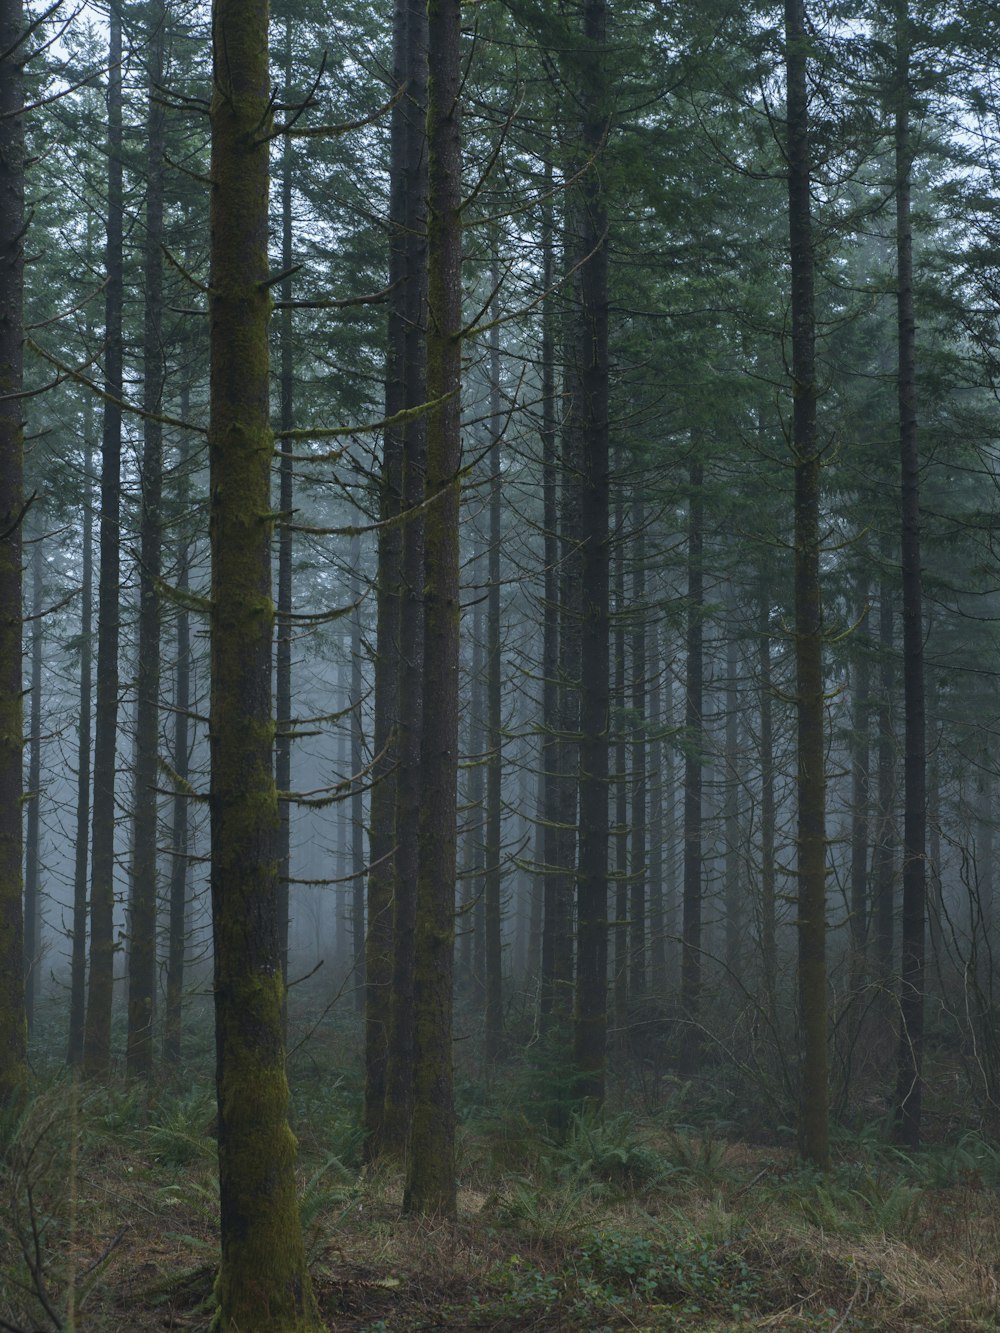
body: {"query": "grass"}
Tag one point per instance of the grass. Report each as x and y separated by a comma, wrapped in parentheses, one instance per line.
(108, 1202)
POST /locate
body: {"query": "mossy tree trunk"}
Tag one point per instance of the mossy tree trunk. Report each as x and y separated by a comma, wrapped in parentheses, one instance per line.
(691, 910)
(100, 982)
(810, 700)
(637, 888)
(142, 917)
(78, 946)
(912, 935)
(263, 1283)
(408, 207)
(492, 941)
(13, 1028)
(768, 803)
(33, 829)
(590, 1015)
(286, 493)
(430, 1164)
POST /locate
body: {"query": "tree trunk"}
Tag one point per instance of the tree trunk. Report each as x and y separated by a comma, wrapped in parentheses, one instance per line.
(885, 849)
(13, 1054)
(405, 381)
(592, 856)
(731, 802)
(430, 1164)
(263, 1282)
(78, 961)
(494, 734)
(142, 913)
(693, 749)
(32, 856)
(177, 933)
(100, 988)
(637, 926)
(860, 793)
(286, 504)
(409, 779)
(658, 833)
(810, 701)
(768, 901)
(911, 995)
(357, 789)
(620, 963)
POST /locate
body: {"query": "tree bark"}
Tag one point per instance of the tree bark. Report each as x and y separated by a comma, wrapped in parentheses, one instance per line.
(32, 852)
(142, 914)
(494, 734)
(263, 1282)
(637, 887)
(693, 751)
(100, 988)
(911, 997)
(430, 1164)
(405, 384)
(810, 700)
(13, 1026)
(593, 366)
(78, 958)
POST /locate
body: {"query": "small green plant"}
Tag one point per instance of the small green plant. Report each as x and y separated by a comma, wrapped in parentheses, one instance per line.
(609, 1150)
(179, 1134)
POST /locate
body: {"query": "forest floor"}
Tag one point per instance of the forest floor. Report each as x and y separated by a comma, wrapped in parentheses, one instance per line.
(109, 1197)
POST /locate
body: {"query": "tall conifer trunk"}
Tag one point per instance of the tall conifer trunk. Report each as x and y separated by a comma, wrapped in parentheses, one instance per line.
(405, 378)
(911, 996)
(637, 888)
(263, 1283)
(142, 916)
(286, 501)
(13, 1067)
(32, 850)
(430, 1164)
(592, 857)
(693, 750)
(81, 860)
(810, 701)
(100, 988)
(494, 734)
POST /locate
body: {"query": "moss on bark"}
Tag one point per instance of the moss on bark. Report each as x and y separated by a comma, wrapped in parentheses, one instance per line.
(263, 1282)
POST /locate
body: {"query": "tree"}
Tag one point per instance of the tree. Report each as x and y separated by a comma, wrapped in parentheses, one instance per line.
(430, 1164)
(810, 699)
(263, 1282)
(13, 1022)
(100, 981)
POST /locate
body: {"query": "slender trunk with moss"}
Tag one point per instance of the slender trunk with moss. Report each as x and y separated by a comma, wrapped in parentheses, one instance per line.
(592, 854)
(263, 1282)
(637, 888)
(100, 987)
(177, 905)
(658, 833)
(860, 791)
(430, 1162)
(403, 378)
(357, 790)
(13, 1027)
(494, 735)
(286, 500)
(81, 863)
(693, 749)
(810, 701)
(409, 782)
(912, 934)
(619, 965)
(768, 901)
(142, 914)
(731, 801)
(33, 827)
(885, 846)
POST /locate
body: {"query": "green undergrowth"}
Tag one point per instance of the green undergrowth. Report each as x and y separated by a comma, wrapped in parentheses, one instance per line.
(567, 1221)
